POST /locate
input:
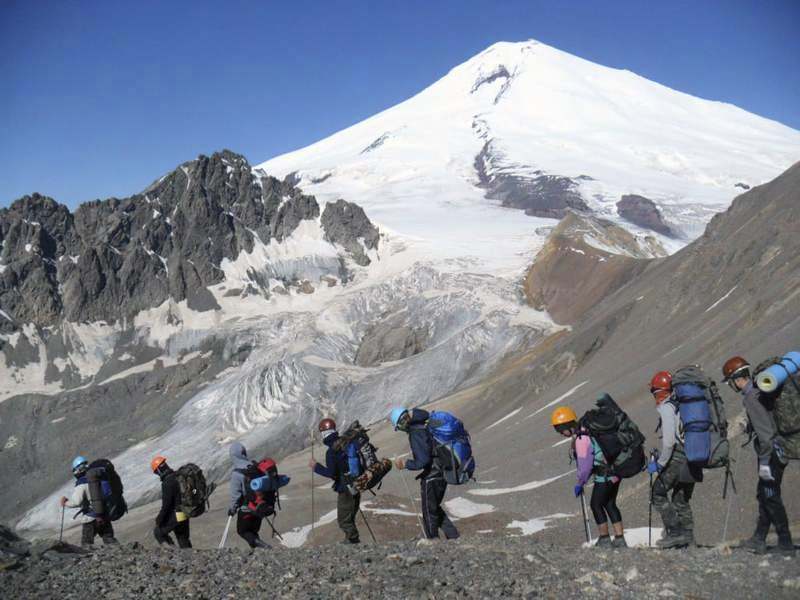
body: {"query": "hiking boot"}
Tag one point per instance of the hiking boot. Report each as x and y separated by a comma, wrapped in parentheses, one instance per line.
(619, 542)
(259, 543)
(679, 538)
(603, 541)
(785, 546)
(755, 544)
(347, 542)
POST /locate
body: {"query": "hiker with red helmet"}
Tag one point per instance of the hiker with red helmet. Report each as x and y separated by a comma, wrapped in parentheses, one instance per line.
(250, 505)
(335, 468)
(771, 462)
(170, 518)
(674, 484)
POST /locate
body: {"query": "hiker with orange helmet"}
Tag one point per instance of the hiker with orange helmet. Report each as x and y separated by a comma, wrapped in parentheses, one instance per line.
(671, 468)
(771, 462)
(170, 518)
(336, 468)
(591, 462)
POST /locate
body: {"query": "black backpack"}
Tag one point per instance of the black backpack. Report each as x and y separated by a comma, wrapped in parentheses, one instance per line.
(105, 491)
(618, 436)
(194, 491)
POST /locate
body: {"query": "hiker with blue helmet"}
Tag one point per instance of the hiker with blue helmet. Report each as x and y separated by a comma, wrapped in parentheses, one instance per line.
(91, 524)
(336, 468)
(433, 486)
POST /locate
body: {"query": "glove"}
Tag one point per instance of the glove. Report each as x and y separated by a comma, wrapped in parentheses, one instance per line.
(653, 467)
(231, 512)
(400, 463)
(765, 473)
(578, 489)
(63, 501)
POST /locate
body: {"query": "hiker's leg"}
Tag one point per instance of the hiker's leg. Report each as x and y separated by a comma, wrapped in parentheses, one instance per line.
(106, 531)
(87, 534)
(597, 504)
(429, 507)
(182, 534)
(244, 529)
(346, 515)
(773, 503)
(162, 536)
(611, 508)
(681, 498)
(446, 525)
(662, 486)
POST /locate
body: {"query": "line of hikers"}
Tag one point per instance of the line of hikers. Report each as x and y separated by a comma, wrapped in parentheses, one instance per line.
(609, 447)
(606, 444)
(440, 449)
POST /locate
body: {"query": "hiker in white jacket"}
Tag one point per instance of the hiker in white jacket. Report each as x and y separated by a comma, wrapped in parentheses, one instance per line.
(91, 524)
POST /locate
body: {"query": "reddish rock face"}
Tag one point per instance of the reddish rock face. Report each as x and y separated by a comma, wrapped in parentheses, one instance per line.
(643, 212)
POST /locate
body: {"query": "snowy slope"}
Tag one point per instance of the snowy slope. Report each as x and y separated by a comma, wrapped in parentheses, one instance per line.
(529, 110)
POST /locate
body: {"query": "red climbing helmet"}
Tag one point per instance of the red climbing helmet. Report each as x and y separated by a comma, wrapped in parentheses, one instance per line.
(661, 386)
(327, 425)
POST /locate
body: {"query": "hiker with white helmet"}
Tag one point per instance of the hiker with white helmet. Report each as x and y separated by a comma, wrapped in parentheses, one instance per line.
(92, 523)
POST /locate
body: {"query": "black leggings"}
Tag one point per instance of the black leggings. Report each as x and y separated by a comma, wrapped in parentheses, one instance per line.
(604, 502)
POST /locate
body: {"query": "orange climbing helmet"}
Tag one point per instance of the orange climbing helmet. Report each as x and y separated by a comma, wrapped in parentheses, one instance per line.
(156, 463)
(563, 415)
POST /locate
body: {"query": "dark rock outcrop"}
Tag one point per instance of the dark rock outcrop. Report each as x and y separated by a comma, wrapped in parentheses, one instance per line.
(388, 341)
(116, 257)
(539, 195)
(643, 212)
(347, 225)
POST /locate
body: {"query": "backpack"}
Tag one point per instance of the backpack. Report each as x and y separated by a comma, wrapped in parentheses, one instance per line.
(105, 491)
(364, 469)
(618, 436)
(194, 491)
(262, 482)
(702, 414)
(785, 402)
(452, 447)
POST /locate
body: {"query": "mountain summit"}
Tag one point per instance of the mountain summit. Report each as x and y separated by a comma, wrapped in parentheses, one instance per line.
(527, 126)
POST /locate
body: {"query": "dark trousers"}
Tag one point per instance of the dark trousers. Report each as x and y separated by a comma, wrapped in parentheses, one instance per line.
(346, 511)
(675, 511)
(604, 502)
(432, 490)
(181, 531)
(102, 528)
(248, 526)
(770, 504)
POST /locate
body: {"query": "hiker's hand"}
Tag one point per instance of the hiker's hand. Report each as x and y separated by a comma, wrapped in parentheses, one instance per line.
(312, 463)
(652, 467)
(578, 490)
(63, 501)
(400, 463)
(231, 512)
(765, 473)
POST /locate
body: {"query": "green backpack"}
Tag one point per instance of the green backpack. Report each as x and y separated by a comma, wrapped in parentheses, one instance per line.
(785, 403)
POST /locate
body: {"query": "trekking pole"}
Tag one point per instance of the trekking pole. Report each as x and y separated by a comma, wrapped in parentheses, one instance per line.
(363, 516)
(730, 499)
(61, 533)
(275, 532)
(313, 512)
(414, 504)
(225, 534)
(653, 455)
(585, 519)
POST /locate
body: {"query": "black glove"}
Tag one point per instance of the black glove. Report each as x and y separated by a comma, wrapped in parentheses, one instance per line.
(232, 511)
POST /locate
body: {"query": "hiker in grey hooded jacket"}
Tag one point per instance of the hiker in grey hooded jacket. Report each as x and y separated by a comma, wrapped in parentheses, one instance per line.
(237, 486)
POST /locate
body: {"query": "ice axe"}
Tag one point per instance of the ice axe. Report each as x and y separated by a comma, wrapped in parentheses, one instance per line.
(225, 533)
(363, 516)
(585, 519)
(61, 533)
(653, 457)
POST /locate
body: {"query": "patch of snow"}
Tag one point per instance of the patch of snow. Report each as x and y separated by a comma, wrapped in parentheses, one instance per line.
(508, 416)
(298, 536)
(4, 313)
(718, 302)
(461, 508)
(59, 420)
(28, 247)
(562, 442)
(11, 443)
(525, 487)
(557, 400)
(536, 524)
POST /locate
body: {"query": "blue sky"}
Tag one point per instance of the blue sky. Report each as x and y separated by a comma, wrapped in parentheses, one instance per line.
(101, 98)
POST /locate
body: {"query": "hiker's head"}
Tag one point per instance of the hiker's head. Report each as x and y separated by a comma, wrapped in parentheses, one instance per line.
(400, 418)
(327, 427)
(736, 372)
(661, 386)
(79, 466)
(158, 465)
(564, 421)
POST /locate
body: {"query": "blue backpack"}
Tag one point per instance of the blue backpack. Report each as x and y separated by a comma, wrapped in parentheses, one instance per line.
(702, 415)
(452, 447)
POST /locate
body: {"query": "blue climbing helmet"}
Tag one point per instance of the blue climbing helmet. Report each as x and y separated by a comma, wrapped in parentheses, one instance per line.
(397, 412)
(78, 463)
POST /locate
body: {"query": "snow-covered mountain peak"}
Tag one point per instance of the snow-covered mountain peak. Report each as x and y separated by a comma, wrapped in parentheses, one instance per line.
(527, 126)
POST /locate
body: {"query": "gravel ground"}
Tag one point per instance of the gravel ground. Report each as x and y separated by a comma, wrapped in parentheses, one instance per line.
(477, 567)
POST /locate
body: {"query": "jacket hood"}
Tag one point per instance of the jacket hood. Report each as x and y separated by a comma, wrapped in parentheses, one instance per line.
(238, 455)
(329, 441)
(418, 416)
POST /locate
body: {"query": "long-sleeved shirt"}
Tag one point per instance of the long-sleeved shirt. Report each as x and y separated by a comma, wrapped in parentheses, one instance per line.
(335, 466)
(588, 455)
(80, 499)
(761, 422)
(670, 431)
(170, 498)
(421, 442)
(238, 492)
